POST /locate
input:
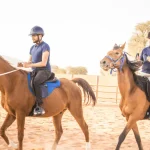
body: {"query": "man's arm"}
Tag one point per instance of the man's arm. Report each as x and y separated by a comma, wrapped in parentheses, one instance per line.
(30, 59)
(39, 64)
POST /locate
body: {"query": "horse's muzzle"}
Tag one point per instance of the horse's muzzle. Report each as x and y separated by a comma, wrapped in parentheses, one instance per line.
(104, 65)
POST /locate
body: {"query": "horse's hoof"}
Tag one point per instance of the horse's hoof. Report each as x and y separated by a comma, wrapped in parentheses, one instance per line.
(88, 146)
(13, 145)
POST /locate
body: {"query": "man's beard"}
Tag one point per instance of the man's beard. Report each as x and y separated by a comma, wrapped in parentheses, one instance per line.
(36, 41)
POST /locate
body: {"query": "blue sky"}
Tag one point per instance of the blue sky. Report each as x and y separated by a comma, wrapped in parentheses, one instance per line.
(79, 32)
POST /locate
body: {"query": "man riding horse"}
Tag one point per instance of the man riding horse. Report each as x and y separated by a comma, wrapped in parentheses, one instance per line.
(39, 60)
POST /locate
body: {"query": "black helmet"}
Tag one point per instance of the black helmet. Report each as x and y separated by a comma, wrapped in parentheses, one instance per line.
(36, 30)
(148, 36)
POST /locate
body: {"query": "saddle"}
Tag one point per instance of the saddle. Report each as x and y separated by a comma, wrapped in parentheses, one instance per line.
(144, 84)
(47, 87)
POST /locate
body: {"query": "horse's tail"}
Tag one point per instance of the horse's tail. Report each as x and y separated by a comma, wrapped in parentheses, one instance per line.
(87, 90)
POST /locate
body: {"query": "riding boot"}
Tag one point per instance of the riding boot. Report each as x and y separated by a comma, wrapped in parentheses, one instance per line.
(38, 110)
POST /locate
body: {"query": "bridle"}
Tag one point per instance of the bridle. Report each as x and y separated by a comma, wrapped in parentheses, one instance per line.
(121, 59)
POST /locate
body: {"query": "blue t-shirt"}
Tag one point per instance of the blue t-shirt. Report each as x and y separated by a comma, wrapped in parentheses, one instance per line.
(143, 57)
(36, 52)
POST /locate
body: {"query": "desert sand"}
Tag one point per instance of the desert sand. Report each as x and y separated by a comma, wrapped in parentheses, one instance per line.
(105, 125)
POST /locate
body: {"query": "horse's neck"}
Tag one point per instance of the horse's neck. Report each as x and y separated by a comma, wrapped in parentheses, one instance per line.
(6, 81)
(125, 81)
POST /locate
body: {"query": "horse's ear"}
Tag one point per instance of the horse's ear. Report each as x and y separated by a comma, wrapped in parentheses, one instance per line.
(123, 46)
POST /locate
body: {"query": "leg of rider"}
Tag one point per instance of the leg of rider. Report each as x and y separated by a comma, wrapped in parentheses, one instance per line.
(41, 77)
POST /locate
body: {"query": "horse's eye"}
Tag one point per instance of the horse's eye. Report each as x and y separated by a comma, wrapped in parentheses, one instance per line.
(117, 53)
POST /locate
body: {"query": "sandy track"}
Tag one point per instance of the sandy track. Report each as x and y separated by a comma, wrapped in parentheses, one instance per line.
(105, 125)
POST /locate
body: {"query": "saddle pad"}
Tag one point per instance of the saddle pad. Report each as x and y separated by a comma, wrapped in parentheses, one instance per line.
(46, 87)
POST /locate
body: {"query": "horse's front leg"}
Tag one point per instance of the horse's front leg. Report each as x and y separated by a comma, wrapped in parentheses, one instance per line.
(7, 122)
(20, 125)
(129, 126)
(137, 136)
(121, 106)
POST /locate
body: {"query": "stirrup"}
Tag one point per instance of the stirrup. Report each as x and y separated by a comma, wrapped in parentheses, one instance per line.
(38, 110)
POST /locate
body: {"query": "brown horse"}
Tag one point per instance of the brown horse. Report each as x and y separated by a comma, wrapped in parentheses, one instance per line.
(134, 102)
(18, 101)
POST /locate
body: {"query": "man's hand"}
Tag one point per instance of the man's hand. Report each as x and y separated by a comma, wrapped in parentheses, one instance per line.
(20, 64)
(148, 58)
(26, 64)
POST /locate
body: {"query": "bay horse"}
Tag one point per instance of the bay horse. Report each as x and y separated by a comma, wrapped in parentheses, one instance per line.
(134, 103)
(18, 101)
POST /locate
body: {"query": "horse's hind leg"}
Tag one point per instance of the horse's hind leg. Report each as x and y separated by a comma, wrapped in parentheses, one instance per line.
(137, 136)
(58, 129)
(77, 113)
(7, 122)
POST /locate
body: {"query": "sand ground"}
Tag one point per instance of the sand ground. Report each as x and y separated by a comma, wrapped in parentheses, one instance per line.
(105, 125)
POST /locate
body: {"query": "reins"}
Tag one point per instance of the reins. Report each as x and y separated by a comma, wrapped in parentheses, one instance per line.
(2, 74)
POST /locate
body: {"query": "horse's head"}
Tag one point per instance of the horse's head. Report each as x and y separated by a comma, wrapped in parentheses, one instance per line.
(113, 59)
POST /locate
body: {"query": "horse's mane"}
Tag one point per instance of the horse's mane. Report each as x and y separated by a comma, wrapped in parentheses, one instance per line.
(8, 63)
(133, 65)
(12, 67)
(141, 81)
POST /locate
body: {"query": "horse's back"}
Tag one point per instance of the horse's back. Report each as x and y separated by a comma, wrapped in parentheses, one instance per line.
(61, 97)
(69, 86)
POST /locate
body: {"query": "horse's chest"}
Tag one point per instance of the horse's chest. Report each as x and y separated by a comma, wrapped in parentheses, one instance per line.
(126, 110)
